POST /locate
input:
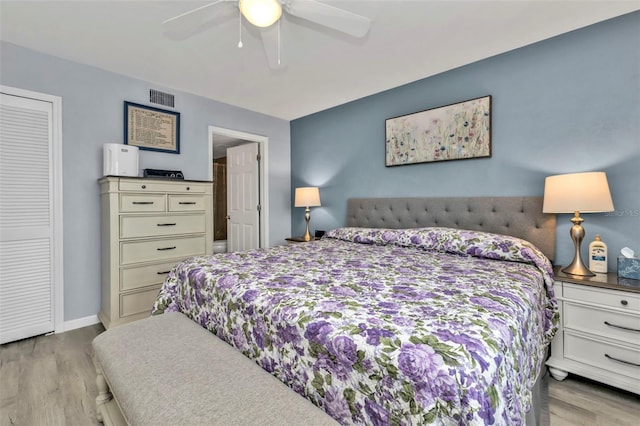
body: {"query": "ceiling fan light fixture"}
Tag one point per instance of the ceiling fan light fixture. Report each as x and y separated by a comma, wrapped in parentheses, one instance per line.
(261, 13)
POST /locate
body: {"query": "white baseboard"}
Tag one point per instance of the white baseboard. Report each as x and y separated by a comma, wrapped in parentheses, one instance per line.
(81, 322)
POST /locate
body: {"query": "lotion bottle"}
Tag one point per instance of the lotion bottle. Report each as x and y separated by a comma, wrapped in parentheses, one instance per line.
(598, 256)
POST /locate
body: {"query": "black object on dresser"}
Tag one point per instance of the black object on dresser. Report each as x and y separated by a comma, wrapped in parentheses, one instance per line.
(163, 174)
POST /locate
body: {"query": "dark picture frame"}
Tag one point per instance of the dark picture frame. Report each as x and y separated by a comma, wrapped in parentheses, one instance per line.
(151, 129)
(452, 132)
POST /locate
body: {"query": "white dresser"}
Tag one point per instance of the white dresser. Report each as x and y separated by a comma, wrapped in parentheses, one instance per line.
(599, 335)
(148, 225)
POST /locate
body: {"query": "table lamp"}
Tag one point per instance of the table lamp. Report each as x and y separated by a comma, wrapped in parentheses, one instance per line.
(307, 197)
(577, 193)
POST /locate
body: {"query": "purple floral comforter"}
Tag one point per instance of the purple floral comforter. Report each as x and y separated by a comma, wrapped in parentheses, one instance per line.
(377, 326)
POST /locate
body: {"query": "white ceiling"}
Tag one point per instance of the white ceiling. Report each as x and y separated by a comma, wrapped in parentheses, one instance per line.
(408, 40)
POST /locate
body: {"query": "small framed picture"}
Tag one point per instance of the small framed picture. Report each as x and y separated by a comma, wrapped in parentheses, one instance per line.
(152, 129)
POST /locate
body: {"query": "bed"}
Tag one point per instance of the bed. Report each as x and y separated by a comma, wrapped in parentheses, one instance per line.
(418, 311)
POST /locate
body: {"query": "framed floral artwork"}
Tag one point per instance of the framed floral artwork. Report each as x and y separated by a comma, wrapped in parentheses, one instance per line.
(452, 132)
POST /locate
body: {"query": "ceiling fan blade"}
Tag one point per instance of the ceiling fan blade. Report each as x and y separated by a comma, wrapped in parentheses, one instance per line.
(195, 21)
(272, 44)
(329, 16)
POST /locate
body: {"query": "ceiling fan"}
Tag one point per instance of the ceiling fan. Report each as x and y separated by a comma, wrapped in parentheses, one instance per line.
(264, 14)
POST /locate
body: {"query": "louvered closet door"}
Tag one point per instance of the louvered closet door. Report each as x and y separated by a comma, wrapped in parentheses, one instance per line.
(26, 218)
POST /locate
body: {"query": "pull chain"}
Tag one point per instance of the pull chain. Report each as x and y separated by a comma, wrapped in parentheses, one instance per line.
(240, 29)
(279, 20)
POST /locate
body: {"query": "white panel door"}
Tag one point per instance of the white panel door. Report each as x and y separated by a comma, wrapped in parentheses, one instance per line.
(26, 218)
(243, 198)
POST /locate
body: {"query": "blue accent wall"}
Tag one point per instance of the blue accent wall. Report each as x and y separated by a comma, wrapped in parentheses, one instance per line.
(563, 105)
(92, 115)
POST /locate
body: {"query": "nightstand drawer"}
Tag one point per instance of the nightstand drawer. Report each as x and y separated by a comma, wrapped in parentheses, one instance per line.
(604, 323)
(136, 203)
(186, 203)
(167, 248)
(161, 225)
(137, 303)
(615, 299)
(144, 276)
(615, 358)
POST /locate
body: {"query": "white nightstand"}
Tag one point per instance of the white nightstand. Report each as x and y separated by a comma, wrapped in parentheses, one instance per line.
(599, 334)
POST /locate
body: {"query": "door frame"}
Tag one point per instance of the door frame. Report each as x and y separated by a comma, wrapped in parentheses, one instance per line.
(263, 145)
(55, 161)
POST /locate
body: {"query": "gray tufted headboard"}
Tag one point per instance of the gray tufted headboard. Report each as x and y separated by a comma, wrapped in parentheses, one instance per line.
(520, 217)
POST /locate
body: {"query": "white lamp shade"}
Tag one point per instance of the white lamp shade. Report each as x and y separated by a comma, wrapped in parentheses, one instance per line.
(577, 192)
(261, 13)
(307, 197)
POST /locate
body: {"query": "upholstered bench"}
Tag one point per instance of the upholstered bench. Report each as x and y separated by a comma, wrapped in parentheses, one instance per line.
(168, 370)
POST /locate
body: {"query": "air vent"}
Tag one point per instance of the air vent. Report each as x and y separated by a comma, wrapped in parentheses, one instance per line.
(157, 97)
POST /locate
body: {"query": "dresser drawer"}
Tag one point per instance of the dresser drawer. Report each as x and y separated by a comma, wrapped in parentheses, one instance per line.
(144, 276)
(604, 323)
(161, 225)
(162, 186)
(611, 298)
(142, 203)
(137, 303)
(186, 203)
(614, 358)
(160, 249)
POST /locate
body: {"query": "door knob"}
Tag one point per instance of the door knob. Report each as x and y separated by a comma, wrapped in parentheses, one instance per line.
(228, 217)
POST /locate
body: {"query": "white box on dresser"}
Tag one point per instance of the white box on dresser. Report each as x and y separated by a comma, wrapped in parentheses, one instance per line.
(599, 334)
(148, 225)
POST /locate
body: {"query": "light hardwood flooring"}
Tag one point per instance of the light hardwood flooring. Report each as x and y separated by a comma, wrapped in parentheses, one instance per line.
(50, 380)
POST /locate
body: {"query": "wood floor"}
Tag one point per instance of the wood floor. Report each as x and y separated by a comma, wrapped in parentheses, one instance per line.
(50, 380)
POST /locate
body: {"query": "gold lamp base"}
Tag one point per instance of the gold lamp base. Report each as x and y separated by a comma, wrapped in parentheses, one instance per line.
(577, 267)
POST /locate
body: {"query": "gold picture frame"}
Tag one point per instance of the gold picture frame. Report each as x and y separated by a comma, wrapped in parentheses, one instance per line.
(151, 129)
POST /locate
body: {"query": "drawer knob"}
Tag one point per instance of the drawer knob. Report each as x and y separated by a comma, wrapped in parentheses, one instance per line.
(166, 248)
(187, 202)
(188, 188)
(144, 186)
(624, 302)
(162, 272)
